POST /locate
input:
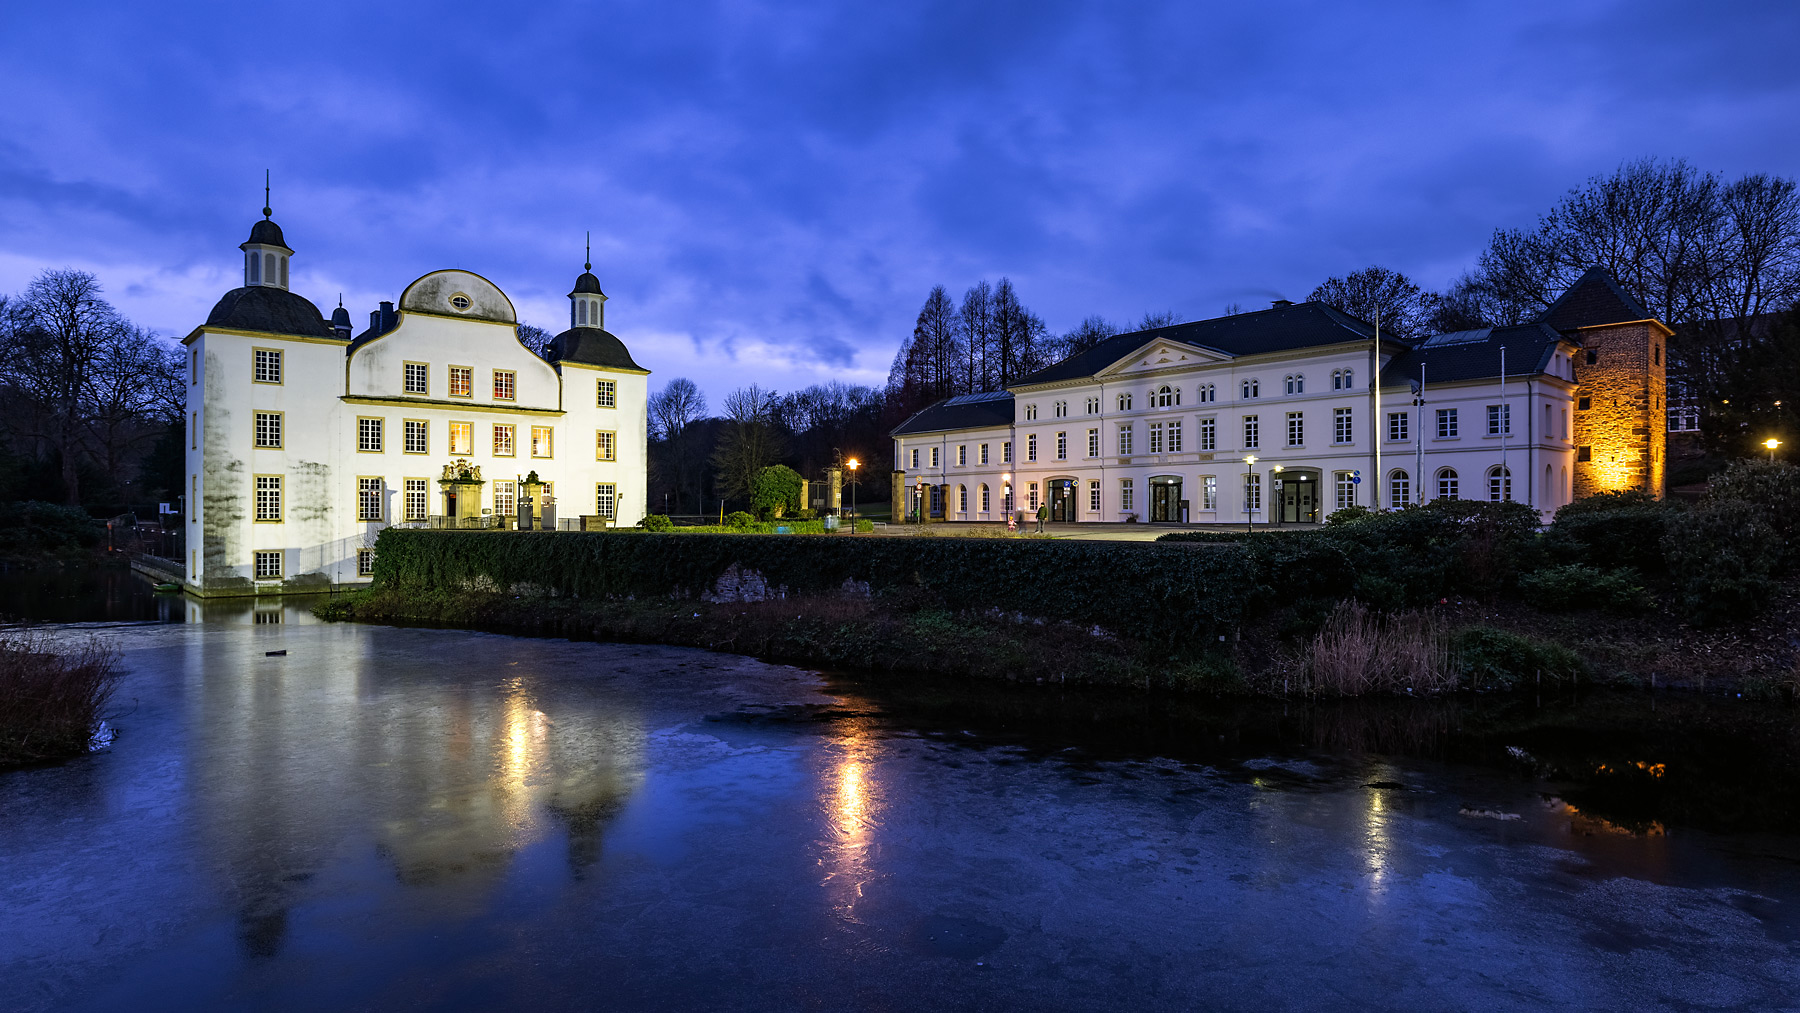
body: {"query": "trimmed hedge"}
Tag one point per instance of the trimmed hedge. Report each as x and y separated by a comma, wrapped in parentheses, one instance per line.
(1169, 593)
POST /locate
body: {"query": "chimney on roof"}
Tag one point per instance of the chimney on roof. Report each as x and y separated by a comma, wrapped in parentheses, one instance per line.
(1281, 303)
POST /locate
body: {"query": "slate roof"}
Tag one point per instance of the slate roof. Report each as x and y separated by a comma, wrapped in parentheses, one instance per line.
(965, 411)
(268, 233)
(1279, 329)
(266, 308)
(592, 346)
(1475, 355)
(1594, 299)
(587, 284)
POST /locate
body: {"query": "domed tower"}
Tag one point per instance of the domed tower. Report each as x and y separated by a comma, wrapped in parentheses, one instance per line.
(340, 319)
(266, 253)
(587, 304)
(587, 341)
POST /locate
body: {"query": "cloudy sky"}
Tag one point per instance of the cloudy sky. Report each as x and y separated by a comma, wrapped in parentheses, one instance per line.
(772, 189)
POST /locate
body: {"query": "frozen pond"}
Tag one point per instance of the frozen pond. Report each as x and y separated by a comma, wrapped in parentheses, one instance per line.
(415, 818)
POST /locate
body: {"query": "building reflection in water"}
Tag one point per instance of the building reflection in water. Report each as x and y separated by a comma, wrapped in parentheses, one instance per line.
(852, 804)
(448, 772)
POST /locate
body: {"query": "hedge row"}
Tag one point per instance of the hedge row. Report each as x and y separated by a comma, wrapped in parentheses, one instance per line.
(1155, 592)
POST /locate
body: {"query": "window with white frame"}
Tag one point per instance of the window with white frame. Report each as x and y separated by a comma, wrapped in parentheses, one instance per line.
(462, 381)
(984, 498)
(1006, 452)
(506, 498)
(1125, 401)
(1207, 393)
(1062, 446)
(1499, 484)
(934, 457)
(1251, 388)
(1399, 489)
(1209, 492)
(368, 499)
(1345, 486)
(542, 441)
(1342, 379)
(1342, 429)
(1031, 496)
(1446, 484)
(268, 564)
(1295, 383)
(267, 367)
(1062, 409)
(1446, 424)
(1683, 408)
(1030, 412)
(504, 440)
(417, 377)
(268, 497)
(1093, 406)
(1125, 440)
(962, 455)
(606, 499)
(962, 499)
(606, 394)
(1209, 434)
(1399, 426)
(1252, 493)
(1094, 494)
(1125, 494)
(415, 499)
(368, 435)
(365, 562)
(1167, 396)
(984, 454)
(1031, 447)
(505, 385)
(462, 438)
(606, 445)
(1252, 429)
(1499, 420)
(1175, 437)
(1156, 438)
(915, 458)
(1093, 443)
(415, 436)
(268, 429)
(1296, 429)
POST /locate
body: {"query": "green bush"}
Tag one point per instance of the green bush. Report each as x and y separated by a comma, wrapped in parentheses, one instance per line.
(1348, 515)
(1773, 487)
(1166, 593)
(658, 522)
(1576, 587)
(34, 530)
(775, 492)
(1721, 556)
(739, 520)
(1488, 658)
(1610, 530)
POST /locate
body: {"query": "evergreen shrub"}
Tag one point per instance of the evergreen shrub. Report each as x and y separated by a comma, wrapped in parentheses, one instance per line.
(1722, 555)
(1488, 658)
(740, 520)
(1575, 587)
(658, 522)
(1612, 529)
(1169, 594)
(1773, 487)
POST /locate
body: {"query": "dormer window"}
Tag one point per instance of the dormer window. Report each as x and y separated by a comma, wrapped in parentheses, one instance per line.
(461, 303)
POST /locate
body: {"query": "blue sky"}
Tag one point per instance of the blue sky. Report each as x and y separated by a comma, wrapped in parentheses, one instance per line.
(774, 188)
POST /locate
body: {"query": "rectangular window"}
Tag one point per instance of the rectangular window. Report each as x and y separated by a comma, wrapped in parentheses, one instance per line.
(541, 441)
(365, 562)
(193, 366)
(984, 454)
(1156, 437)
(1499, 420)
(1252, 493)
(962, 455)
(268, 366)
(462, 437)
(1583, 403)
(915, 458)
(1094, 495)
(1093, 443)
(416, 436)
(268, 429)
(1584, 453)
(1006, 452)
(1209, 492)
(1125, 494)
(606, 394)
(1125, 441)
(416, 492)
(505, 384)
(1031, 496)
(934, 457)
(368, 499)
(606, 446)
(503, 440)
(1296, 429)
(1342, 430)
(1174, 437)
(1062, 446)
(1446, 419)
(462, 381)
(1399, 426)
(417, 377)
(1209, 435)
(268, 564)
(606, 499)
(268, 497)
(1251, 430)
(1346, 490)
(1031, 447)
(368, 435)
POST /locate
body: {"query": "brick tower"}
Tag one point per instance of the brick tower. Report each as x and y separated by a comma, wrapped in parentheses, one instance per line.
(1621, 424)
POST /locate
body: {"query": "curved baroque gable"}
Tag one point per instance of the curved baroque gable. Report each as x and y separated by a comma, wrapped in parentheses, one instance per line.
(459, 294)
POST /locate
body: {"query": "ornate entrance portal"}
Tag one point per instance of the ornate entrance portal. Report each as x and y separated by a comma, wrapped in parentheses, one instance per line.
(1298, 498)
(1166, 504)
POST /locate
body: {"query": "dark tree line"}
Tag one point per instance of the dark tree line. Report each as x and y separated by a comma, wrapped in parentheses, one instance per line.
(90, 403)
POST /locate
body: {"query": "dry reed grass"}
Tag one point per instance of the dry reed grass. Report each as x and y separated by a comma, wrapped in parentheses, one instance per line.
(51, 700)
(1360, 651)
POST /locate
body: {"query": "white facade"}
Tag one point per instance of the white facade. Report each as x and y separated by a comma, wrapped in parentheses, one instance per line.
(304, 444)
(1163, 432)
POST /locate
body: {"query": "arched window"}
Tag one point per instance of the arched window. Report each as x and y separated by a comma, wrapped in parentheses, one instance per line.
(1499, 484)
(1165, 396)
(1399, 489)
(255, 269)
(581, 312)
(1006, 497)
(1208, 393)
(1252, 388)
(962, 499)
(984, 498)
(269, 267)
(1062, 409)
(1295, 383)
(1125, 402)
(1340, 379)
(284, 283)
(1446, 480)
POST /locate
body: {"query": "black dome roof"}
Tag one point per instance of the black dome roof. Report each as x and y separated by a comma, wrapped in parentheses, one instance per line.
(587, 284)
(340, 317)
(592, 346)
(268, 233)
(264, 308)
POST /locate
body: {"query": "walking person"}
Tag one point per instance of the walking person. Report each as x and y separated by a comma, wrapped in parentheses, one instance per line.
(1043, 515)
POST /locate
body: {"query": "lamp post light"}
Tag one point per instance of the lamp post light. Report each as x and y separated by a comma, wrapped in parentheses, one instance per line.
(853, 464)
(1771, 443)
(1249, 474)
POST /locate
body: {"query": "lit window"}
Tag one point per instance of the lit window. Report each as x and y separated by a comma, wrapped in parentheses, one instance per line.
(1296, 429)
(365, 562)
(1499, 484)
(541, 441)
(462, 437)
(268, 366)
(505, 384)
(1125, 494)
(368, 435)
(268, 429)
(606, 446)
(462, 381)
(1446, 481)
(1399, 426)
(414, 436)
(415, 499)
(1125, 440)
(1209, 492)
(607, 394)
(268, 497)
(368, 499)
(417, 378)
(268, 564)
(503, 440)
(1252, 428)
(1446, 423)
(1209, 434)
(1342, 429)
(606, 499)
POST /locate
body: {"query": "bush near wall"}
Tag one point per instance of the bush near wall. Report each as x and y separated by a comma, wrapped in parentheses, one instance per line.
(1612, 530)
(1170, 594)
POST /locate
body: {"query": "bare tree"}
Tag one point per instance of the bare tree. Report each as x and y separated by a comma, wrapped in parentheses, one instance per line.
(55, 343)
(1165, 318)
(1375, 291)
(535, 338)
(1018, 337)
(977, 319)
(929, 366)
(1090, 332)
(672, 408)
(749, 442)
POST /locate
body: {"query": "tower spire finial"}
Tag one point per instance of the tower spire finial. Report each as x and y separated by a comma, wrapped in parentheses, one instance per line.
(266, 210)
(589, 265)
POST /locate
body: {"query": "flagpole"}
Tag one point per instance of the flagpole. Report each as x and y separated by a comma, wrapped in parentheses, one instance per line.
(1375, 423)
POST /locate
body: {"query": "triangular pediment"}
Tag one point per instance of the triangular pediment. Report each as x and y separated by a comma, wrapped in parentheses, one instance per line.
(1161, 354)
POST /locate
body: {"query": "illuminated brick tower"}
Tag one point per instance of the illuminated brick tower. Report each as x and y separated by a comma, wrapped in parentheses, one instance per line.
(1620, 426)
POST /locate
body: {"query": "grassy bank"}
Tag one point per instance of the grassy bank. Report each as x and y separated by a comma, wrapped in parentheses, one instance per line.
(51, 700)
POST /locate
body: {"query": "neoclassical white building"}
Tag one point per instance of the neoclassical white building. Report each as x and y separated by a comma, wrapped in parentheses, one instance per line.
(1286, 415)
(304, 441)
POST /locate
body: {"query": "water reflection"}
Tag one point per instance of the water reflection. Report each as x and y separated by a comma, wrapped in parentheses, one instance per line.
(851, 812)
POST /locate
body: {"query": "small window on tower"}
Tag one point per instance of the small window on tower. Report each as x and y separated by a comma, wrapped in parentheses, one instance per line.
(1584, 453)
(1583, 403)
(1593, 356)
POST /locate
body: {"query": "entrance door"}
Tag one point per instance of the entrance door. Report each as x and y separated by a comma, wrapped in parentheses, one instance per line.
(1300, 500)
(1165, 501)
(1062, 499)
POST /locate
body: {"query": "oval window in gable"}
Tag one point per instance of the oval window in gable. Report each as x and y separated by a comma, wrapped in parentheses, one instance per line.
(461, 303)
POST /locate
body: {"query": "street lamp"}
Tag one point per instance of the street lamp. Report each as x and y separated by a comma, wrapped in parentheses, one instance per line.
(1771, 443)
(1249, 473)
(853, 464)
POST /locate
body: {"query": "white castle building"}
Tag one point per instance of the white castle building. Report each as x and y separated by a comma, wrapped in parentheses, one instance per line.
(1286, 415)
(304, 442)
